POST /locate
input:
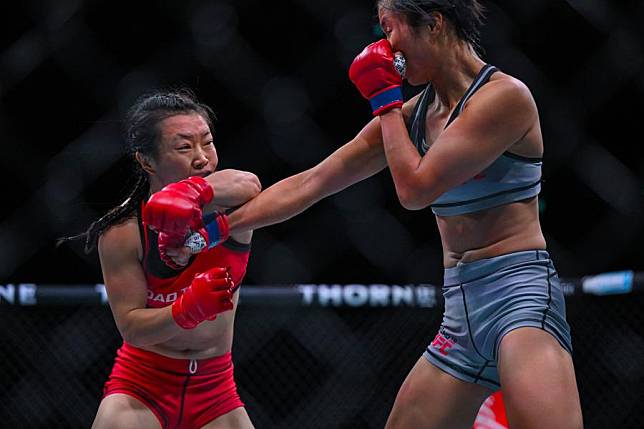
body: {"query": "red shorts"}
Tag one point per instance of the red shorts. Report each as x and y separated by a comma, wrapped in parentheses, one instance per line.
(182, 393)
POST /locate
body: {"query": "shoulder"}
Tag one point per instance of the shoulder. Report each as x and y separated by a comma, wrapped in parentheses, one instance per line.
(121, 240)
(506, 90)
(504, 100)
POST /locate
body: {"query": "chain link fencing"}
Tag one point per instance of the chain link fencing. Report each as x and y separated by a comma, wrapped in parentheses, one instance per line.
(327, 361)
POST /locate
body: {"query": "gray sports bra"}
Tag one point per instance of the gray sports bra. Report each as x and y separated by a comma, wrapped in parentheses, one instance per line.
(508, 179)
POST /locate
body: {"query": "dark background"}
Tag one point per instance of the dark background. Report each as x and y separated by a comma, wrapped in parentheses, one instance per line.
(276, 75)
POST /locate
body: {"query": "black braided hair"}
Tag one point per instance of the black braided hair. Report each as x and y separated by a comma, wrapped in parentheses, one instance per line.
(466, 16)
(142, 135)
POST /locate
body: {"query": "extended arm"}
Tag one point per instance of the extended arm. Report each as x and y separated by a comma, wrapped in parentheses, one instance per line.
(357, 160)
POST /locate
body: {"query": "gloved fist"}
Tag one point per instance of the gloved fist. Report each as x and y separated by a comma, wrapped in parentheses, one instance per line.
(169, 241)
(178, 206)
(207, 233)
(375, 76)
(209, 294)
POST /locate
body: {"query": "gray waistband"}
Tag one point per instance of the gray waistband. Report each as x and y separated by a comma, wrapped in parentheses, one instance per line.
(468, 271)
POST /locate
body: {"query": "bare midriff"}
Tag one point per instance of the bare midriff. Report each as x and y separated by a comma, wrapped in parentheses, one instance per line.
(492, 232)
(209, 339)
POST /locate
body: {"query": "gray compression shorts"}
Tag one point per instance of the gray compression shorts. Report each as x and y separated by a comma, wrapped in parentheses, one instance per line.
(486, 299)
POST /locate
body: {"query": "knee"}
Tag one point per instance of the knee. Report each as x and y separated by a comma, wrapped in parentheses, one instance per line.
(411, 394)
(405, 407)
(539, 417)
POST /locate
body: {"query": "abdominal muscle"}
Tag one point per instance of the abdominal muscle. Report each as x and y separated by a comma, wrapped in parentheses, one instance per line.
(492, 232)
(208, 339)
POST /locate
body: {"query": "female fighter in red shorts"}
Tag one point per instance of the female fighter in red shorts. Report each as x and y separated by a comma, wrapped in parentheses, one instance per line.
(174, 369)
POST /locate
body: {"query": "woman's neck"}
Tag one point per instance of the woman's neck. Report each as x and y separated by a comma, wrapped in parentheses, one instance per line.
(458, 67)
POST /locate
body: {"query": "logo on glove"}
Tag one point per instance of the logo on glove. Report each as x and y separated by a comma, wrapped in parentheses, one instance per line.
(195, 242)
(400, 63)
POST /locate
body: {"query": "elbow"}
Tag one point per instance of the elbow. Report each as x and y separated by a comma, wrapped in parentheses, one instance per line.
(412, 203)
(252, 185)
(133, 336)
(129, 336)
(136, 339)
(411, 198)
(416, 192)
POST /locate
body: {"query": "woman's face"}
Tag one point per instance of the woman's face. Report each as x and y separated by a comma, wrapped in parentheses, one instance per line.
(185, 149)
(411, 44)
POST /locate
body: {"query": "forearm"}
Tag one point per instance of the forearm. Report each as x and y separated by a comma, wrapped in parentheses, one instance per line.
(148, 326)
(276, 204)
(402, 157)
(362, 157)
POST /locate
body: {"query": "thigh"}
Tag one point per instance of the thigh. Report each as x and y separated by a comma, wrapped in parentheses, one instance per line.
(124, 412)
(430, 398)
(538, 381)
(235, 419)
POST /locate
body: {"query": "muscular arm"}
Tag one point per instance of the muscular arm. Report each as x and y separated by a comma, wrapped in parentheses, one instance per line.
(357, 160)
(127, 290)
(498, 116)
(232, 188)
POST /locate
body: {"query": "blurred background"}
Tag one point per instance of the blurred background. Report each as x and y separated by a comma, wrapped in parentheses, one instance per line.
(276, 75)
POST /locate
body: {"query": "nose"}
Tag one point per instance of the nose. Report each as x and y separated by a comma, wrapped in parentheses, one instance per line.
(200, 159)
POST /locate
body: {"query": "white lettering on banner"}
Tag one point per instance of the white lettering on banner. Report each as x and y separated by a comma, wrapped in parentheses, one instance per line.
(568, 288)
(308, 293)
(356, 295)
(7, 293)
(608, 283)
(379, 295)
(100, 289)
(27, 293)
(402, 294)
(374, 295)
(330, 295)
(425, 296)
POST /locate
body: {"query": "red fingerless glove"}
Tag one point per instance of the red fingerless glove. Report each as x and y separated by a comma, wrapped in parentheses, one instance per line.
(209, 294)
(178, 206)
(375, 76)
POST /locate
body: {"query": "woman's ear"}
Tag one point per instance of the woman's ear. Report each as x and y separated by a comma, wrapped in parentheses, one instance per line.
(436, 24)
(144, 162)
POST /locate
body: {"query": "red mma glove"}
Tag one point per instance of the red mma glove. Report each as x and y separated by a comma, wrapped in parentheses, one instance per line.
(209, 294)
(375, 76)
(178, 206)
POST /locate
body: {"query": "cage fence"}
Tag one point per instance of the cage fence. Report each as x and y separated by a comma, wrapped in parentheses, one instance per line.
(306, 356)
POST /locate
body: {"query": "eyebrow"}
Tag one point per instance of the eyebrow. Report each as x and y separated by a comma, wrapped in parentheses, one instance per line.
(192, 135)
